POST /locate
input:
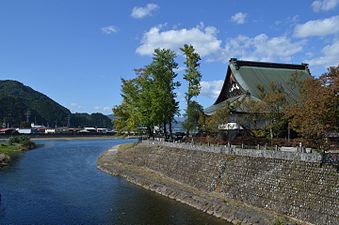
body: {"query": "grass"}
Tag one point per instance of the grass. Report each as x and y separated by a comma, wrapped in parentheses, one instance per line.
(8, 149)
(16, 144)
(279, 221)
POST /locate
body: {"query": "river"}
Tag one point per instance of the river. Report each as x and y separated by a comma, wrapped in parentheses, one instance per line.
(58, 183)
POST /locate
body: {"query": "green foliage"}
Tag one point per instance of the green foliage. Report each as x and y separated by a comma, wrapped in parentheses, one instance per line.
(194, 112)
(221, 116)
(90, 120)
(193, 77)
(279, 221)
(192, 74)
(255, 114)
(149, 99)
(17, 99)
(8, 149)
(162, 86)
(316, 113)
(23, 141)
(16, 144)
(312, 113)
(272, 104)
(135, 107)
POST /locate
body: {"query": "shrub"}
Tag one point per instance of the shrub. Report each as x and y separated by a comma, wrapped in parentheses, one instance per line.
(22, 140)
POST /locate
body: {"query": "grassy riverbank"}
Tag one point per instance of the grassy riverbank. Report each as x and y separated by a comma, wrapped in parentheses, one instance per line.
(13, 146)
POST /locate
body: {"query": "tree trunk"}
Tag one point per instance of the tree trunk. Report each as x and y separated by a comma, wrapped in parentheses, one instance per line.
(188, 102)
(150, 131)
(170, 129)
(165, 130)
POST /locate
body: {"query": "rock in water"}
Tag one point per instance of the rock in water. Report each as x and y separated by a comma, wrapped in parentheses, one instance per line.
(4, 159)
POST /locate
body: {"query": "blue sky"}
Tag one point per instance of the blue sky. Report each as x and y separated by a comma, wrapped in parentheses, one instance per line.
(77, 51)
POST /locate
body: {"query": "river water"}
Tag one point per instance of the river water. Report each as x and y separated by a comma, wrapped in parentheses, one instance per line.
(58, 183)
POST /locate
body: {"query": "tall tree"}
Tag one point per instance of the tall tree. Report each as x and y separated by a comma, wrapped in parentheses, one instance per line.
(317, 111)
(220, 117)
(272, 103)
(193, 77)
(163, 85)
(146, 99)
(127, 112)
(194, 113)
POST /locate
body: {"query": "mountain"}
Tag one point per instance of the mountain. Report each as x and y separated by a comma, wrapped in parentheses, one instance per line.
(90, 120)
(17, 102)
(111, 116)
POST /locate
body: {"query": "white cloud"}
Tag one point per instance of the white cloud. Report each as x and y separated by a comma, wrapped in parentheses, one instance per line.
(203, 39)
(211, 89)
(330, 56)
(103, 109)
(324, 5)
(239, 18)
(140, 12)
(109, 29)
(75, 107)
(317, 27)
(261, 48)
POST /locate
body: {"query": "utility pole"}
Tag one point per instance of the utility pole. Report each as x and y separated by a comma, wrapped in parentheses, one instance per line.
(27, 114)
(69, 120)
(288, 132)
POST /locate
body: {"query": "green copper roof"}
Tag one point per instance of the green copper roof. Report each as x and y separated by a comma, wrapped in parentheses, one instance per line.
(210, 110)
(250, 75)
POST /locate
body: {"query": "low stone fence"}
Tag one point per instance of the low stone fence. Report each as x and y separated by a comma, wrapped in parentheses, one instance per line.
(232, 150)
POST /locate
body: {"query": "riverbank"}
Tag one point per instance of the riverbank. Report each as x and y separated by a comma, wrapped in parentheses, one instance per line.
(146, 166)
(12, 147)
(51, 137)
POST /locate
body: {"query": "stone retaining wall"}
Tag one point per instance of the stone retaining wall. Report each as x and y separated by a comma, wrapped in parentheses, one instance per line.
(301, 189)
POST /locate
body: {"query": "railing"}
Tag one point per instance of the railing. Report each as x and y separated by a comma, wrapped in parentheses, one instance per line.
(234, 150)
(332, 158)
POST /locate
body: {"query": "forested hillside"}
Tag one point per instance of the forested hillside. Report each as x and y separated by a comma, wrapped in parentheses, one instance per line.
(17, 102)
(93, 120)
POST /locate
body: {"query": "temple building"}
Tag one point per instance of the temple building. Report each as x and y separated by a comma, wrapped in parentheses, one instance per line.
(243, 78)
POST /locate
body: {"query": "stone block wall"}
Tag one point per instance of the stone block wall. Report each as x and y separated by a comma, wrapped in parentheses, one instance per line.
(301, 189)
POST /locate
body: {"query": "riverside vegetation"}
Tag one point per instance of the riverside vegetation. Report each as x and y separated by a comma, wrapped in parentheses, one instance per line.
(13, 146)
(150, 100)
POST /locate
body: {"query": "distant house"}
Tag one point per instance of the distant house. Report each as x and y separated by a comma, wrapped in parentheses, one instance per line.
(24, 130)
(50, 131)
(242, 81)
(88, 130)
(101, 130)
(74, 130)
(8, 131)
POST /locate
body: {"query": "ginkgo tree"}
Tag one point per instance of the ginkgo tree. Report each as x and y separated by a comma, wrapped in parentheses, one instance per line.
(193, 77)
(149, 99)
